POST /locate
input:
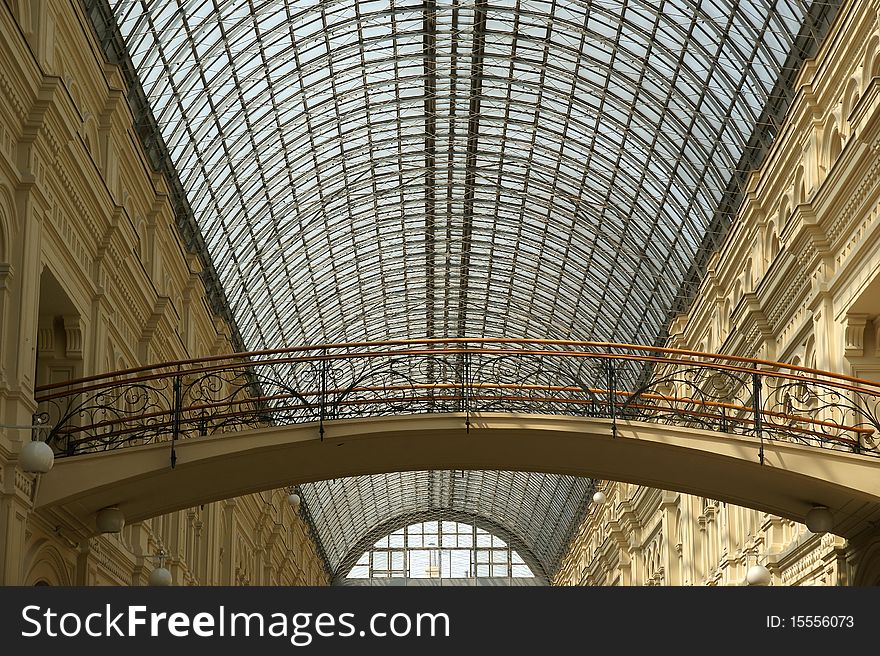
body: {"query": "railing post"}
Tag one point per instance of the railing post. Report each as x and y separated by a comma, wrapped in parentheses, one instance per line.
(323, 407)
(756, 408)
(612, 397)
(177, 410)
(856, 411)
(465, 377)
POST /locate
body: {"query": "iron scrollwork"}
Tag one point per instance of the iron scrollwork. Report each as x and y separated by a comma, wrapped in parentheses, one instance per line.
(615, 382)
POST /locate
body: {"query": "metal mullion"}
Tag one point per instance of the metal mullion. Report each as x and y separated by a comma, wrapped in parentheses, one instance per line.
(213, 110)
(529, 159)
(502, 154)
(556, 517)
(341, 142)
(430, 182)
(666, 111)
(602, 100)
(395, 60)
(615, 326)
(565, 123)
(227, 152)
(370, 142)
(598, 123)
(308, 116)
(450, 157)
(562, 141)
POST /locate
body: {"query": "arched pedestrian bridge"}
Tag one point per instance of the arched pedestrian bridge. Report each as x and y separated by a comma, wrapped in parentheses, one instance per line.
(764, 435)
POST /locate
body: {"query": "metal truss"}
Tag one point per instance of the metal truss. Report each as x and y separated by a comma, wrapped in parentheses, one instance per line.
(392, 169)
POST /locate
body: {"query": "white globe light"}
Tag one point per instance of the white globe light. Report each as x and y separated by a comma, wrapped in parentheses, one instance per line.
(758, 575)
(819, 520)
(160, 577)
(36, 457)
(294, 500)
(110, 520)
(599, 498)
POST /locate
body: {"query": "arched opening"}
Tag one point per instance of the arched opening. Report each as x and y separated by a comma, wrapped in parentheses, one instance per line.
(737, 293)
(748, 278)
(441, 551)
(873, 58)
(726, 310)
(90, 140)
(4, 232)
(850, 100)
(835, 146)
(867, 570)
(45, 566)
(810, 353)
(771, 243)
(799, 193)
(5, 265)
(775, 246)
(60, 338)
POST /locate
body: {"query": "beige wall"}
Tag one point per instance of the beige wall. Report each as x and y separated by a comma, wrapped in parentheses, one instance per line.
(797, 279)
(93, 278)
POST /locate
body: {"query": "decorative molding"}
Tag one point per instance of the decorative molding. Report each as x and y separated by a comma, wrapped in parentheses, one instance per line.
(46, 335)
(24, 483)
(73, 332)
(854, 335)
(7, 273)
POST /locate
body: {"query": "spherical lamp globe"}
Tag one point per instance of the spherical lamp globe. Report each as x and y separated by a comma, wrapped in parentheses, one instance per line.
(36, 457)
(160, 577)
(758, 575)
(819, 520)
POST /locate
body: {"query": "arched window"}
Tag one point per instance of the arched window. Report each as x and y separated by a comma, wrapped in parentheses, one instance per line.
(835, 146)
(771, 244)
(440, 550)
(873, 61)
(850, 100)
(800, 190)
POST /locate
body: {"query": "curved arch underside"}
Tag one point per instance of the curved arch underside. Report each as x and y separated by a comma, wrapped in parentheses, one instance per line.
(390, 169)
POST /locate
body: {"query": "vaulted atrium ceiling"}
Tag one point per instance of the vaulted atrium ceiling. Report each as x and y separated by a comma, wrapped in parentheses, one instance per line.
(381, 169)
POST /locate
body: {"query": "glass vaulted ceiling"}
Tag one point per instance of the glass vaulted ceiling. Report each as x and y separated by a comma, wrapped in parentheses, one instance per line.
(375, 169)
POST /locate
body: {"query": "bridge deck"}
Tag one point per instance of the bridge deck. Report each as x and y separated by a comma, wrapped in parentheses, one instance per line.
(793, 478)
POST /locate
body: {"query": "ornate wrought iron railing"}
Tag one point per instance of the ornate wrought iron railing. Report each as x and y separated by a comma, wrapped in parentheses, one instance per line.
(620, 382)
